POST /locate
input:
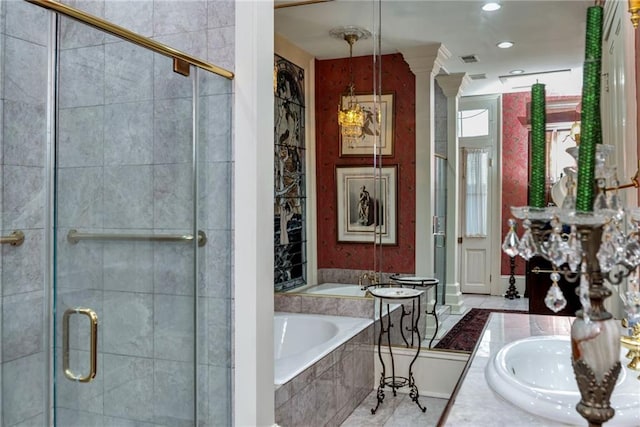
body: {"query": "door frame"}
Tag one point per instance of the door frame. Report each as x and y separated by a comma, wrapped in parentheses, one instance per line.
(494, 103)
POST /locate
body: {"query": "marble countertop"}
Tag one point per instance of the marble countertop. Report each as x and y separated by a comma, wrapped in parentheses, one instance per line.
(475, 403)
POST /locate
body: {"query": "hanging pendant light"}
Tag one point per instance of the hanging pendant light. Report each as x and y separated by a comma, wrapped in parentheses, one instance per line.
(351, 117)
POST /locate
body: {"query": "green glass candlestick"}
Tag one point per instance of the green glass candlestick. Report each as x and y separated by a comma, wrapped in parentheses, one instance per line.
(538, 146)
(590, 127)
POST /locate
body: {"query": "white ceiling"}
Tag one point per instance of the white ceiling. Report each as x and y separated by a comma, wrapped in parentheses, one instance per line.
(548, 36)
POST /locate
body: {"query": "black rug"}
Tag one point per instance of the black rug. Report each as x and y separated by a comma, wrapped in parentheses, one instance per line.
(464, 334)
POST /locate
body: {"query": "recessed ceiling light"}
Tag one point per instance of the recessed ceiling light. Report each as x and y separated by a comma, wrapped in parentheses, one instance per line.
(491, 6)
(505, 45)
(516, 71)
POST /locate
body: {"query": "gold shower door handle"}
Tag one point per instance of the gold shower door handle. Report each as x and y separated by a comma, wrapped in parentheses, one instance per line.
(93, 356)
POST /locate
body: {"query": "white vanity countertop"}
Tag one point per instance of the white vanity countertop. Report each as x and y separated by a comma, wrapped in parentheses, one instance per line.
(475, 404)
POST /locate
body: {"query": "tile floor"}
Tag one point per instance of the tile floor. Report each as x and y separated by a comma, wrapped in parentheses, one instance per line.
(401, 411)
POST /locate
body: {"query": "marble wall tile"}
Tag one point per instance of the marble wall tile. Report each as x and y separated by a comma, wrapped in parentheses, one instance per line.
(172, 17)
(172, 131)
(124, 422)
(319, 305)
(81, 77)
(326, 399)
(213, 84)
(215, 202)
(167, 84)
(1, 340)
(173, 269)
(27, 22)
(35, 421)
(128, 73)
(128, 133)
(22, 330)
(173, 328)
(135, 15)
(23, 197)
(74, 34)
(215, 128)
(221, 37)
(222, 56)
(81, 136)
(2, 130)
(173, 196)
(23, 380)
(80, 198)
(215, 266)
(128, 324)
(86, 397)
(79, 266)
(219, 396)
(193, 43)
(24, 136)
(75, 418)
(355, 307)
(173, 394)
(129, 266)
(128, 197)
(23, 266)
(287, 303)
(220, 13)
(218, 338)
(282, 395)
(128, 383)
(25, 75)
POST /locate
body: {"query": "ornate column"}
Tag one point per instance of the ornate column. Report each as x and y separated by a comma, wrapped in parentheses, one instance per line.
(425, 62)
(453, 86)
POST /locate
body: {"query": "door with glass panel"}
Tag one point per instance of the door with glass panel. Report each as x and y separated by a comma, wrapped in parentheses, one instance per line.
(478, 250)
(126, 239)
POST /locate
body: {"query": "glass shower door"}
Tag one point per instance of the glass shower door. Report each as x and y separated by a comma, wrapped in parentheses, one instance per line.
(125, 221)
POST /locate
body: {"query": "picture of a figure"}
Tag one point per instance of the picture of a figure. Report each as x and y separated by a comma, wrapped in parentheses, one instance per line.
(364, 204)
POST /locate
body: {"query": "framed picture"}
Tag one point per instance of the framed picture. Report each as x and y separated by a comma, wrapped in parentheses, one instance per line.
(362, 192)
(364, 146)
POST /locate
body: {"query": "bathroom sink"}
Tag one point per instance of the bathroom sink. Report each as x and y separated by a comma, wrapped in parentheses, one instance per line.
(535, 374)
(394, 294)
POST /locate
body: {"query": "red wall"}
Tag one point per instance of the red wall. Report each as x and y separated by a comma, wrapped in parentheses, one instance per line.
(515, 165)
(515, 162)
(332, 78)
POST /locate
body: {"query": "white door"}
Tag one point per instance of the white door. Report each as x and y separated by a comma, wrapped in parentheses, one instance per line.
(479, 204)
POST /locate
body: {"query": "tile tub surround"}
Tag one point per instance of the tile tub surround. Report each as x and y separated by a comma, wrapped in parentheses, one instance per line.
(324, 304)
(474, 400)
(352, 307)
(345, 275)
(327, 392)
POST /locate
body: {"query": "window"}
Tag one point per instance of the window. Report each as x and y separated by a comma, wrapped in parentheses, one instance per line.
(289, 172)
(476, 186)
(473, 123)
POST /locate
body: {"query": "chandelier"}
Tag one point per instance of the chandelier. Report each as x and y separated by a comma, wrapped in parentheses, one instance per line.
(351, 116)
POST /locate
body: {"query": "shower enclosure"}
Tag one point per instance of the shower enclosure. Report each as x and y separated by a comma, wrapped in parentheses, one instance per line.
(116, 306)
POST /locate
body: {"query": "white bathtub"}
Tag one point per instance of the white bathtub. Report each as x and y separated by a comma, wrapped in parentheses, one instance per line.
(300, 340)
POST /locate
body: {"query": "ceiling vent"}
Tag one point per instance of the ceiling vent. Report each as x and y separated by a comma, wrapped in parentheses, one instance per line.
(478, 76)
(469, 59)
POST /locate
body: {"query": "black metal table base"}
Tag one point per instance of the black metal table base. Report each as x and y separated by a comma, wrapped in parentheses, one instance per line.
(394, 381)
(512, 291)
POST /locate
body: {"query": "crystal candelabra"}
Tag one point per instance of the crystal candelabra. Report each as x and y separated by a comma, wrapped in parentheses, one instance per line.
(587, 248)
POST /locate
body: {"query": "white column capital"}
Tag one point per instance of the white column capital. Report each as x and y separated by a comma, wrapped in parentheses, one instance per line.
(426, 58)
(453, 85)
